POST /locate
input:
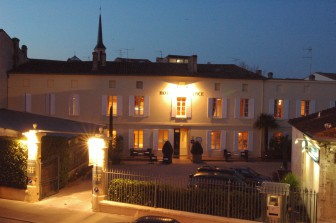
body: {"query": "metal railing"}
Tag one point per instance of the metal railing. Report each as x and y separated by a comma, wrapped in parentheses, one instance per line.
(226, 199)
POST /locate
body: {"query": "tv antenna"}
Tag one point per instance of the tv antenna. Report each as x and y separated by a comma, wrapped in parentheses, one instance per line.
(309, 56)
(235, 60)
(160, 51)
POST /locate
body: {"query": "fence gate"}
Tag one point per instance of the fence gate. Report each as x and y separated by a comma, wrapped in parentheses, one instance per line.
(49, 177)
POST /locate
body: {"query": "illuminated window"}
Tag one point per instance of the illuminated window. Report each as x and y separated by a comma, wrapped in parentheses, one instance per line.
(138, 139)
(242, 140)
(139, 105)
(278, 108)
(181, 107)
(244, 107)
(305, 104)
(162, 137)
(217, 107)
(111, 100)
(215, 140)
(74, 105)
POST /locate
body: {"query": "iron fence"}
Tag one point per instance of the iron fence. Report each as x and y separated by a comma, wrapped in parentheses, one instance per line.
(226, 199)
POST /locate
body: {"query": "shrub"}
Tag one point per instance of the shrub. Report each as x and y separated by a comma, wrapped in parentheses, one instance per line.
(13, 163)
(292, 180)
(197, 148)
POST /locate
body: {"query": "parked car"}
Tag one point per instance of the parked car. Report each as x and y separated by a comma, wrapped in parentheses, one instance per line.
(251, 176)
(209, 176)
(155, 219)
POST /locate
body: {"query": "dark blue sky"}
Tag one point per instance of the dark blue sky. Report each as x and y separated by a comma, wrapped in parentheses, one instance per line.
(274, 36)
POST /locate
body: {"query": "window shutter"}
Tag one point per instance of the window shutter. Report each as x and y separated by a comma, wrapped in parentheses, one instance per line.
(208, 140)
(235, 141)
(188, 108)
(171, 136)
(104, 105)
(119, 105)
(237, 108)
(155, 139)
(27, 102)
(250, 140)
(173, 107)
(146, 140)
(47, 104)
(52, 104)
(131, 105)
(298, 108)
(332, 104)
(146, 106)
(131, 138)
(223, 140)
(77, 104)
(312, 106)
(271, 107)
(286, 109)
(224, 107)
(210, 104)
(251, 108)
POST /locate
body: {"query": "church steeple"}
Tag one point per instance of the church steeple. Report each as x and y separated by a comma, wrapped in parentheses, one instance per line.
(100, 44)
(99, 55)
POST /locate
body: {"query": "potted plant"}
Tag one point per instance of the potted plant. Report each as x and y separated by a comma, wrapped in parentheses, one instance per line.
(196, 151)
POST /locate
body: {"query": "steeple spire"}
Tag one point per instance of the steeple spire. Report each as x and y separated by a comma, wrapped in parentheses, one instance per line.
(100, 44)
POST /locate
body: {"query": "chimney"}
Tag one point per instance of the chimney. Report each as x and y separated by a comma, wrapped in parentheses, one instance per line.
(259, 72)
(192, 65)
(312, 77)
(24, 49)
(94, 61)
(270, 75)
(16, 49)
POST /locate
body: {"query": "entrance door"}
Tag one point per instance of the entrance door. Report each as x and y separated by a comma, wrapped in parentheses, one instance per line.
(180, 142)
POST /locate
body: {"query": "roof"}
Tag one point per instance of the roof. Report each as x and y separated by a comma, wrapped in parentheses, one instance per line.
(320, 125)
(226, 71)
(23, 121)
(328, 75)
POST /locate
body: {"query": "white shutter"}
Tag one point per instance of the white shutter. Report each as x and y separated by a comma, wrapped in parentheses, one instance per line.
(171, 136)
(146, 106)
(77, 104)
(131, 138)
(235, 141)
(224, 107)
(52, 104)
(210, 104)
(104, 105)
(155, 139)
(285, 109)
(208, 140)
(251, 108)
(119, 105)
(47, 104)
(312, 106)
(223, 140)
(250, 140)
(332, 104)
(131, 106)
(188, 108)
(146, 140)
(271, 107)
(237, 108)
(173, 107)
(27, 102)
(298, 108)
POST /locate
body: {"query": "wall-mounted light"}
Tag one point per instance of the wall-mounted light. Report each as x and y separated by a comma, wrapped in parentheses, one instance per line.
(32, 141)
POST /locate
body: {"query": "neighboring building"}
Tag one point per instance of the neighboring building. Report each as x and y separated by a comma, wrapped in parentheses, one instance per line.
(314, 157)
(174, 99)
(319, 76)
(10, 56)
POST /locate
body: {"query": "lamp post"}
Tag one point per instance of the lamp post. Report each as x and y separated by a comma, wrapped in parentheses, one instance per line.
(33, 139)
(98, 160)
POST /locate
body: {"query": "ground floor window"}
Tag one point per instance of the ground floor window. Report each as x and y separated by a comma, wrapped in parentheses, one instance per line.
(215, 140)
(242, 140)
(162, 137)
(138, 138)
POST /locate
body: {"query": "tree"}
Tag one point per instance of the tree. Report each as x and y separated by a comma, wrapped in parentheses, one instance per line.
(265, 122)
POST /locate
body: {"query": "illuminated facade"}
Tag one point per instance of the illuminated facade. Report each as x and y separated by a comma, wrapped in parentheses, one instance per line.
(174, 99)
(314, 157)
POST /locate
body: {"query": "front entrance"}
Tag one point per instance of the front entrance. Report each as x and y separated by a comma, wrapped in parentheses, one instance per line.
(180, 142)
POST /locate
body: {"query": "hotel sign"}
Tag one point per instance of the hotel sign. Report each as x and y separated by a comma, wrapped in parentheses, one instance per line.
(312, 150)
